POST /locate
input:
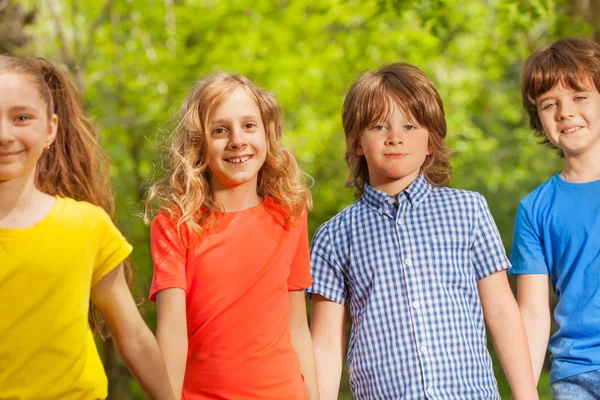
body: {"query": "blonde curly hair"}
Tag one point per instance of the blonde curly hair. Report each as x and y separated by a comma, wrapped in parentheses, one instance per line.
(185, 189)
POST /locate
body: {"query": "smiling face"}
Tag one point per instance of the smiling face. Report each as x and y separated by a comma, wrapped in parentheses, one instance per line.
(395, 150)
(237, 146)
(25, 128)
(570, 118)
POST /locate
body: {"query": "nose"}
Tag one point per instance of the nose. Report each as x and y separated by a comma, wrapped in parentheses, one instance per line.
(5, 133)
(237, 139)
(565, 110)
(394, 137)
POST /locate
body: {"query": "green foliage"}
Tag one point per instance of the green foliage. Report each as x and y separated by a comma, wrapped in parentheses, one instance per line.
(138, 58)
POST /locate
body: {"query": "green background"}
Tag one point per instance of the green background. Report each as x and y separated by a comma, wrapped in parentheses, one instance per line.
(134, 60)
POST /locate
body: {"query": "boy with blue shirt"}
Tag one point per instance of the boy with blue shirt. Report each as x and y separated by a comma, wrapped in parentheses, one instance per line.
(557, 228)
(421, 266)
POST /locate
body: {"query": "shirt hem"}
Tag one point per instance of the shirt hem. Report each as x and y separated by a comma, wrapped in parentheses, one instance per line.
(571, 371)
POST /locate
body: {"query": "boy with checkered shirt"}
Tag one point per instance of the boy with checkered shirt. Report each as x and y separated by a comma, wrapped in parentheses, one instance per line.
(421, 266)
(557, 229)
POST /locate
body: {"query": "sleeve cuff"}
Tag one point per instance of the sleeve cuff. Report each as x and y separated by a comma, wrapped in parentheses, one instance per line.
(163, 285)
(330, 294)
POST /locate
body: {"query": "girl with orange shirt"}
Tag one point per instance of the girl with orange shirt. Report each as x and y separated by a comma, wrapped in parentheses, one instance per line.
(230, 250)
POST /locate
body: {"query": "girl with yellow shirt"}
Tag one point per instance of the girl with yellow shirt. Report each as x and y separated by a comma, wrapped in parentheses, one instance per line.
(59, 248)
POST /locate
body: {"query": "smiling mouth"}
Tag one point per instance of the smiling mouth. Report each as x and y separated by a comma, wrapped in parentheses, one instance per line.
(10, 153)
(570, 130)
(238, 160)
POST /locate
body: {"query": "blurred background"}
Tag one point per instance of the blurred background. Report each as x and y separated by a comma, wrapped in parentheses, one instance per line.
(134, 60)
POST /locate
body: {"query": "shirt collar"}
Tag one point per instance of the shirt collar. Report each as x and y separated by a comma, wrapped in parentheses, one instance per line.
(414, 194)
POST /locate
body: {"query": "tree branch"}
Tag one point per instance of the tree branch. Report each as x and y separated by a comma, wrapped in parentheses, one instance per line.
(97, 22)
(64, 49)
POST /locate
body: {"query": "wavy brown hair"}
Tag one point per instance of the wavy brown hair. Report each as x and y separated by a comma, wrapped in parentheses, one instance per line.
(572, 62)
(371, 99)
(74, 165)
(185, 188)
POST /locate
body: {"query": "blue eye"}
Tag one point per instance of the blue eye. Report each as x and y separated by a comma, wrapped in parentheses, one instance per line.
(410, 127)
(379, 127)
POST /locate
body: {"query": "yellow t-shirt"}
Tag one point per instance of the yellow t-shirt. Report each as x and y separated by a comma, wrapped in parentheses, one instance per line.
(46, 272)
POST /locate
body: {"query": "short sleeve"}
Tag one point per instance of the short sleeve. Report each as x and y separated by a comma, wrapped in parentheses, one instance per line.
(328, 278)
(489, 255)
(112, 248)
(526, 254)
(168, 256)
(300, 278)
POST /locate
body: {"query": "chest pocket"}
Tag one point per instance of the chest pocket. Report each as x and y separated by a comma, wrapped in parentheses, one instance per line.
(449, 258)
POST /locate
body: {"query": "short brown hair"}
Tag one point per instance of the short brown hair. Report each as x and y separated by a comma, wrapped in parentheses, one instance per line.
(569, 61)
(371, 99)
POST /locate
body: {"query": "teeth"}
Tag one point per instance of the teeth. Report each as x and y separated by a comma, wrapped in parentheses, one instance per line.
(570, 130)
(238, 160)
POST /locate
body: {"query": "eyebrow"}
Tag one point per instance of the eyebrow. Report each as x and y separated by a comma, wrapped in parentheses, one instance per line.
(23, 108)
(575, 91)
(543, 99)
(243, 117)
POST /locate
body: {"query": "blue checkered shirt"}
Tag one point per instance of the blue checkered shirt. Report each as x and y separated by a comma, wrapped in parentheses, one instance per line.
(408, 268)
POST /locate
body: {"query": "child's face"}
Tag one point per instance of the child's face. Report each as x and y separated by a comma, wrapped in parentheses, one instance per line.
(395, 150)
(237, 146)
(25, 129)
(571, 118)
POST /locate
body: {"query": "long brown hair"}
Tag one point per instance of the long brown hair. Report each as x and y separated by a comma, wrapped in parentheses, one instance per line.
(572, 62)
(372, 97)
(75, 165)
(185, 189)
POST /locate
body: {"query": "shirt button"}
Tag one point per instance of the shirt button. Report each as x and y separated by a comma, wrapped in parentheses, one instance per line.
(390, 201)
(380, 211)
(424, 349)
(416, 304)
(408, 262)
(400, 222)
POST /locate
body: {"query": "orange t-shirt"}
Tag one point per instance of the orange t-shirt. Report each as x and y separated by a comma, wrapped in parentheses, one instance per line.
(236, 277)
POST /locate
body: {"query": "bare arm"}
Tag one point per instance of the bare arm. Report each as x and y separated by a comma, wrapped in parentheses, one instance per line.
(534, 302)
(171, 333)
(302, 342)
(133, 339)
(328, 329)
(507, 332)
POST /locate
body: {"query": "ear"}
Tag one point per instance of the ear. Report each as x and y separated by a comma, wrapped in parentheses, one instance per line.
(52, 130)
(429, 149)
(358, 149)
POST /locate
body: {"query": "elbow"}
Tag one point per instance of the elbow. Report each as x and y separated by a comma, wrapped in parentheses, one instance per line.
(132, 346)
(536, 317)
(502, 313)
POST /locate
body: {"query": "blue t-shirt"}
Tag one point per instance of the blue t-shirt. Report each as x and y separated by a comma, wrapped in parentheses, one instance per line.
(557, 232)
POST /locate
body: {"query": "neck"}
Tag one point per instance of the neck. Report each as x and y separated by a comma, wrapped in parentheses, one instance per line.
(16, 195)
(21, 204)
(394, 187)
(582, 168)
(237, 198)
